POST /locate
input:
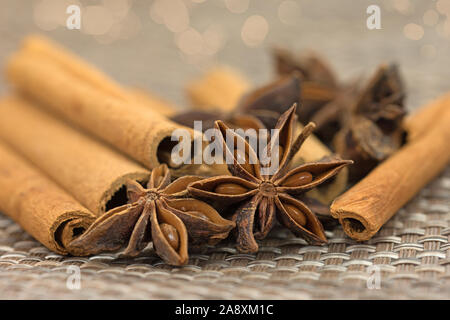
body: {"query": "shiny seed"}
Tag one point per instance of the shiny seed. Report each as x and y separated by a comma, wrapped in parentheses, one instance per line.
(171, 235)
(298, 179)
(198, 214)
(242, 159)
(230, 189)
(296, 214)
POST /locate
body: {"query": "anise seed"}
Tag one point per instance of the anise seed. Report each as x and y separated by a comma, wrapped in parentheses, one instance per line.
(171, 235)
(298, 179)
(295, 214)
(198, 214)
(230, 189)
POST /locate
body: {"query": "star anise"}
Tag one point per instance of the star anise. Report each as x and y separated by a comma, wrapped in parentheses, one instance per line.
(259, 109)
(234, 119)
(261, 194)
(319, 83)
(160, 213)
(373, 129)
(268, 102)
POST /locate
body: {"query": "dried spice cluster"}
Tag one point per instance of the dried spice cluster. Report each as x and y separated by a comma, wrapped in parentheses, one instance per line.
(164, 213)
(161, 213)
(361, 123)
(263, 197)
(364, 124)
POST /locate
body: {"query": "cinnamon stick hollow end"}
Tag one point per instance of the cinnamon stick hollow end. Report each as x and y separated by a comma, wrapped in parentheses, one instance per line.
(355, 225)
(42, 208)
(367, 206)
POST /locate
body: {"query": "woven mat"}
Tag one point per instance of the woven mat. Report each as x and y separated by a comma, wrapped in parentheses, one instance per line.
(411, 254)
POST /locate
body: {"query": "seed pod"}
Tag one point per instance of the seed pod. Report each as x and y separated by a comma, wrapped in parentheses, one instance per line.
(171, 235)
(280, 155)
(280, 152)
(230, 188)
(298, 179)
(242, 159)
(296, 214)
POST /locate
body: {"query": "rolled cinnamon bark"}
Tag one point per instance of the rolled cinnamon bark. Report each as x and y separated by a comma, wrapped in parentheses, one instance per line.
(88, 170)
(153, 102)
(222, 88)
(419, 122)
(36, 203)
(364, 208)
(47, 49)
(90, 74)
(82, 95)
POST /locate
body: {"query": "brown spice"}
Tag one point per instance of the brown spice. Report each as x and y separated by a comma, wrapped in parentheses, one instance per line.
(373, 129)
(319, 83)
(161, 213)
(261, 197)
(367, 206)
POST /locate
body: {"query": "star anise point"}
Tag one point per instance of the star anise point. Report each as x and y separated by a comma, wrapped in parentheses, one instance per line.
(269, 196)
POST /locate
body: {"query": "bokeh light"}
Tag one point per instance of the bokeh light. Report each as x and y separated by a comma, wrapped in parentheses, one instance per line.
(96, 20)
(430, 18)
(237, 6)
(443, 7)
(405, 7)
(413, 31)
(254, 30)
(214, 39)
(190, 42)
(173, 14)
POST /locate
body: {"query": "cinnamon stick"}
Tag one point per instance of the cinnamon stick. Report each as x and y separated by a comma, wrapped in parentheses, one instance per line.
(39, 45)
(157, 104)
(38, 205)
(84, 96)
(419, 122)
(94, 174)
(47, 49)
(364, 209)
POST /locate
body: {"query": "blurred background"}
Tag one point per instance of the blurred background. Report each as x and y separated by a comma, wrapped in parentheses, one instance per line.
(160, 45)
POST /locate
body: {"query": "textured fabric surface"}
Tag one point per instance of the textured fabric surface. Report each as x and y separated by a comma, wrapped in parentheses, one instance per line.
(411, 253)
